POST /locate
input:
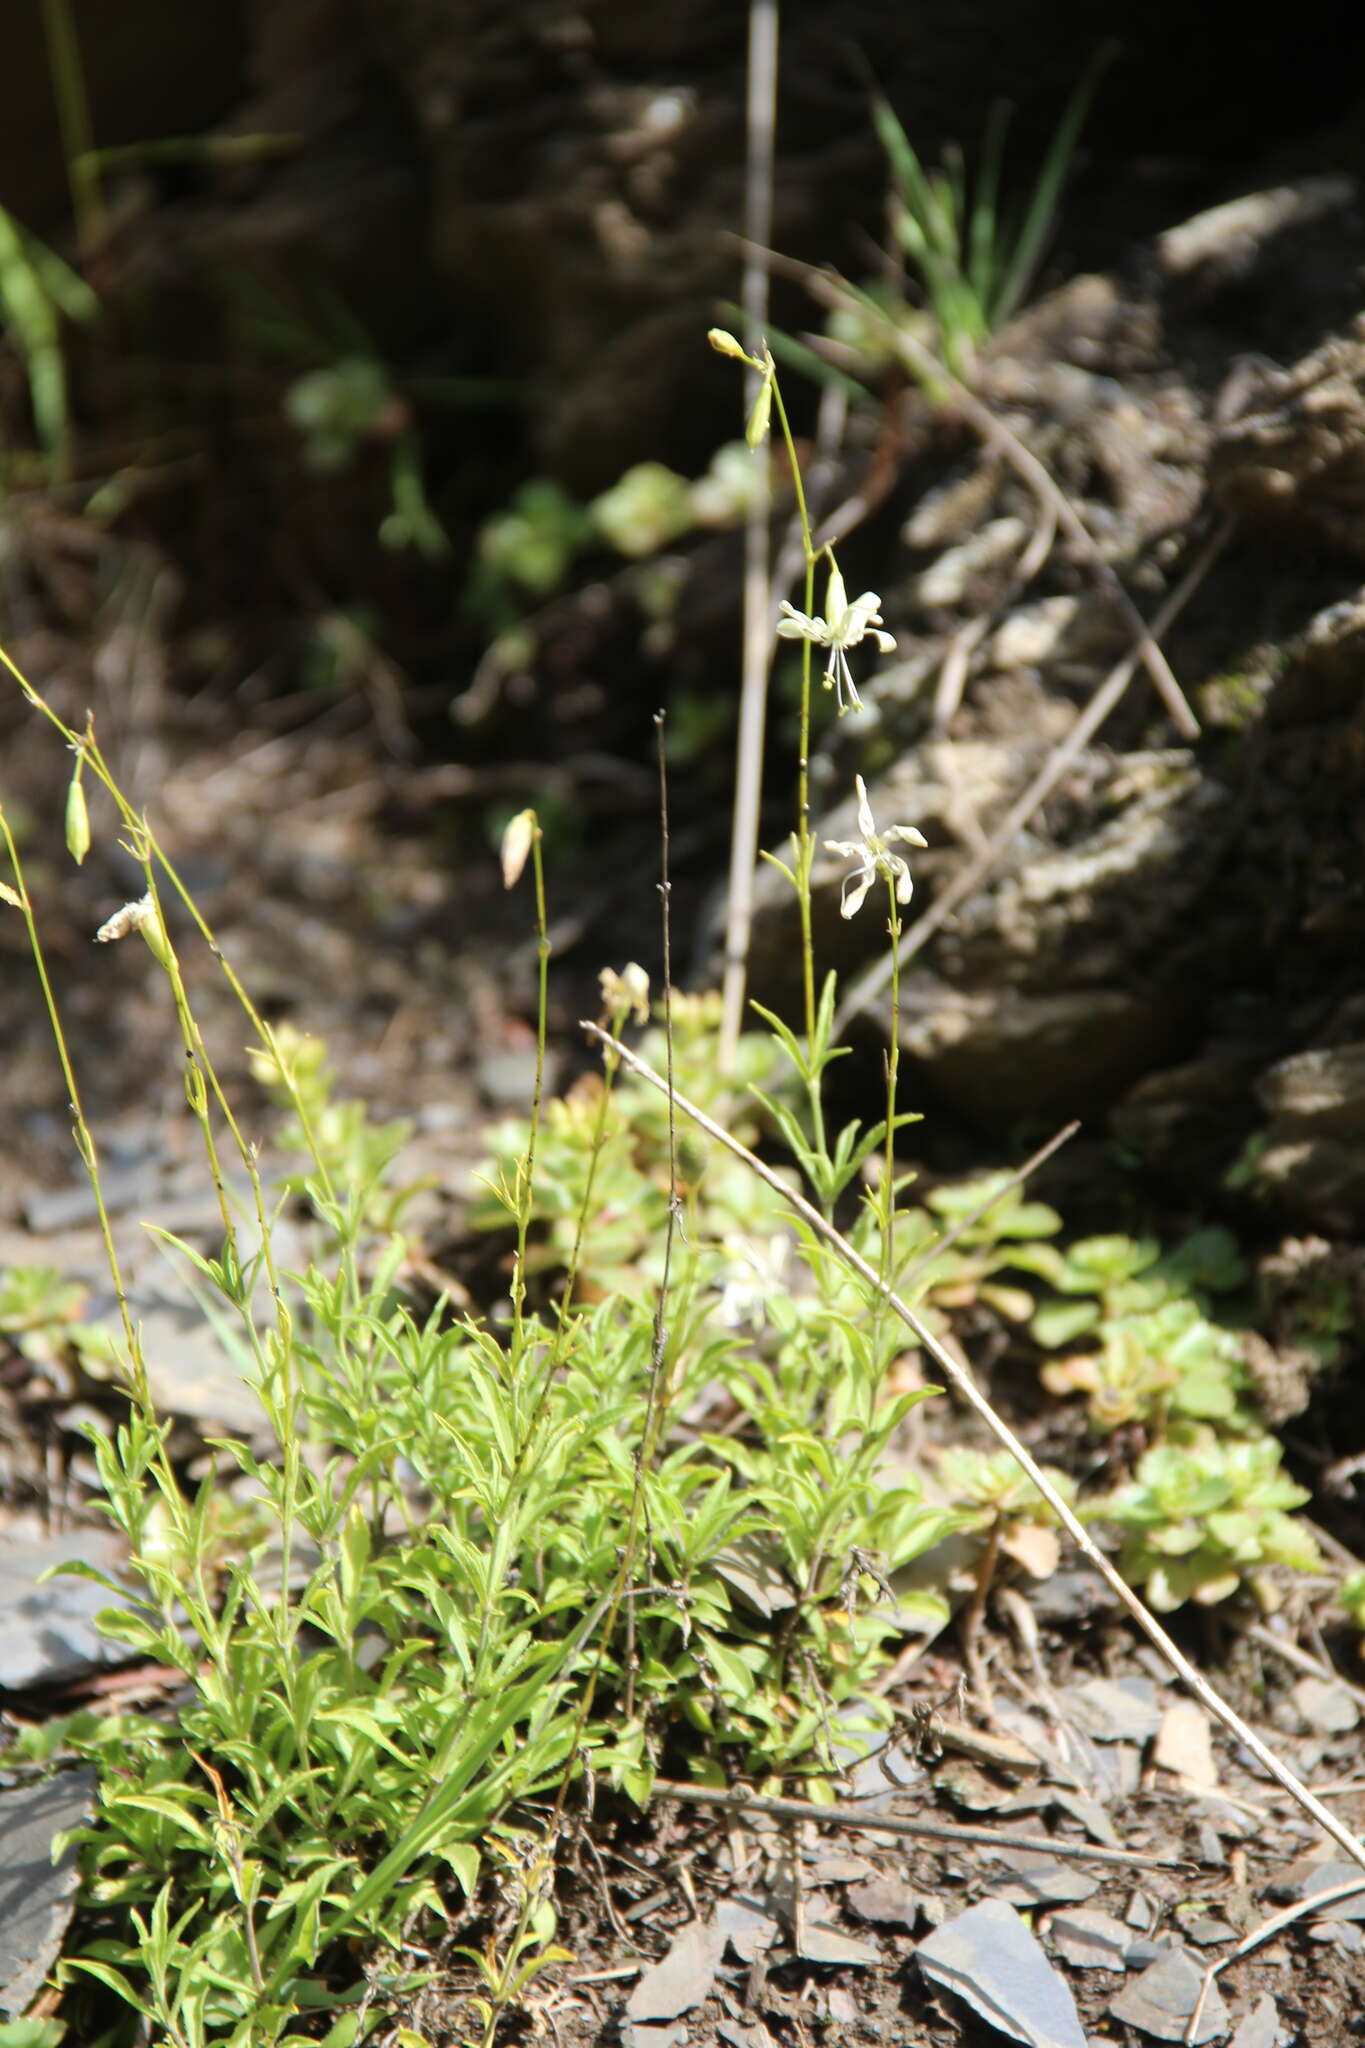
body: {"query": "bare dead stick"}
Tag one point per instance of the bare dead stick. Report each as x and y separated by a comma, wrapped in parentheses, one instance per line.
(829, 287)
(843, 1815)
(966, 1388)
(1048, 492)
(761, 121)
(1302, 1909)
(983, 1208)
(1022, 809)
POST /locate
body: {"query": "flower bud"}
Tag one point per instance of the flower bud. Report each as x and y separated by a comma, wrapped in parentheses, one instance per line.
(77, 819)
(756, 433)
(517, 842)
(725, 345)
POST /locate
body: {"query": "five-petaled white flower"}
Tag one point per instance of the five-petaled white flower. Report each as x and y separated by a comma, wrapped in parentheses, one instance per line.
(872, 851)
(845, 625)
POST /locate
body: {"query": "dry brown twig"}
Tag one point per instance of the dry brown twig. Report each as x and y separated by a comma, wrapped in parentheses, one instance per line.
(843, 1815)
(1088, 723)
(983, 1208)
(761, 121)
(1302, 1909)
(827, 288)
(1052, 498)
(1302, 1660)
(952, 681)
(966, 1388)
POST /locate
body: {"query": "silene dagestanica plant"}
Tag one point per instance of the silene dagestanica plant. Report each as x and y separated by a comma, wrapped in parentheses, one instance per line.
(640, 1507)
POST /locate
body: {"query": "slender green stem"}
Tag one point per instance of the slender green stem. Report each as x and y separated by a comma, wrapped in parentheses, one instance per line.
(85, 1141)
(805, 845)
(526, 1166)
(886, 1201)
(556, 1353)
(805, 841)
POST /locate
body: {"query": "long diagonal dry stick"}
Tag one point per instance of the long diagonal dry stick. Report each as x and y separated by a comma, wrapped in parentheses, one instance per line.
(761, 120)
(827, 288)
(1049, 493)
(1022, 809)
(965, 1386)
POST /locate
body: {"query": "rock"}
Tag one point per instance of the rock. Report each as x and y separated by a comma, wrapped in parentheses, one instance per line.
(1163, 2000)
(1015, 1054)
(1292, 456)
(1227, 241)
(1032, 634)
(947, 582)
(1313, 1151)
(39, 1894)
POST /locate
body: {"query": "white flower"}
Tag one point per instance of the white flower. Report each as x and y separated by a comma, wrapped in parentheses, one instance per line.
(131, 918)
(846, 625)
(872, 851)
(628, 990)
(755, 1272)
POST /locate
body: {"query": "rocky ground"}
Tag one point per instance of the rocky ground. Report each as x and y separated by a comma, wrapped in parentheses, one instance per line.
(1159, 926)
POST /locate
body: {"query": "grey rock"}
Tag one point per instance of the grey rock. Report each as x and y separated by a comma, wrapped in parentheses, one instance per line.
(37, 1896)
(47, 1627)
(1293, 455)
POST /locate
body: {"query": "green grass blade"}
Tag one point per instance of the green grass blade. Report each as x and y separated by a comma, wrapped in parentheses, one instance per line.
(1042, 207)
(983, 256)
(906, 167)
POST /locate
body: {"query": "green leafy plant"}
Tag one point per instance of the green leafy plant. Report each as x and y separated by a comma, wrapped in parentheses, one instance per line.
(470, 1557)
(994, 1230)
(345, 398)
(1202, 1517)
(613, 1147)
(526, 552)
(651, 1501)
(37, 292)
(1153, 1351)
(973, 263)
(994, 1493)
(43, 1317)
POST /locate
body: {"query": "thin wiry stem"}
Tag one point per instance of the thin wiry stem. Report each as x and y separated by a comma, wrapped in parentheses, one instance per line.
(965, 1386)
(805, 840)
(986, 1204)
(654, 1401)
(1088, 723)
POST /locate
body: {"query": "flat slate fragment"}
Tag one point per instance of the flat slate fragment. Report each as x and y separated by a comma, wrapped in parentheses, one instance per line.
(1036, 1880)
(1309, 1875)
(746, 1927)
(889, 1901)
(37, 1897)
(1090, 1940)
(822, 1944)
(988, 1958)
(1261, 2026)
(681, 1979)
(1162, 2000)
(1114, 1709)
(47, 1626)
